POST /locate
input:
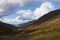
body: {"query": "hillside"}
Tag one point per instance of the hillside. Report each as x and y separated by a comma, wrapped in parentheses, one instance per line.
(6, 28)
(51, 16)
(45, 28)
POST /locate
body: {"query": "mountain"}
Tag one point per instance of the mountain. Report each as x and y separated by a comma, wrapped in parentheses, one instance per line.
(46, 27)
(6, 28)
(47, 17)
(42, 19)
(25, 24)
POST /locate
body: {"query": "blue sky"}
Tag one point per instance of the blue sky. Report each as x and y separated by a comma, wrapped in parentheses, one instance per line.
(22, 11)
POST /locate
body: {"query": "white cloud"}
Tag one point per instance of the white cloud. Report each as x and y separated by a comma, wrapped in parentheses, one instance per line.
(26, 14)
(38, 12)
(16, 20)
(11, 20)
(43, 9)
(10, 6)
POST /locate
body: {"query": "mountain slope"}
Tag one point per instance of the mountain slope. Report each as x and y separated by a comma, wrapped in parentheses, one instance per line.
(6, 28)
(45, 28)
(51, 16)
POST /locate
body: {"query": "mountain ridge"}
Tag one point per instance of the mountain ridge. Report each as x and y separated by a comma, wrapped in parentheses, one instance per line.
(46, 17)
(43, 18)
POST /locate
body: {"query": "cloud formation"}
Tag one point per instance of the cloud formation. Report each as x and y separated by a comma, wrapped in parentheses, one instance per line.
(25, 14)
(16, 20)
(44, 8)
(10, 6)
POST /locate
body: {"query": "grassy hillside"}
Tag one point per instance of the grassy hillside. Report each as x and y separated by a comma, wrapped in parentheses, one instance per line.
(48, 30)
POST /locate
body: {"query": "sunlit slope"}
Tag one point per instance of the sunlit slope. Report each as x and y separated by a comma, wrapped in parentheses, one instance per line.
(48, 30)
(46, 20)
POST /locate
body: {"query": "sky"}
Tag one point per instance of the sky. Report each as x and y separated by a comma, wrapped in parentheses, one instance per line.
(22, 11)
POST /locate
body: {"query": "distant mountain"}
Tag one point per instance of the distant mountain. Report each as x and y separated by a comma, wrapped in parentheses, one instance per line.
(26, 24)
(6, 28)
